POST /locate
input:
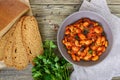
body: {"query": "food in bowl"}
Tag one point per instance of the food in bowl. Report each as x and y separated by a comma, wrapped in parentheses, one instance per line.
(85, 39)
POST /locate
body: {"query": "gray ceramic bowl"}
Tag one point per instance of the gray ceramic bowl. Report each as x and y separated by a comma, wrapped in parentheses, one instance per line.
(71, 19)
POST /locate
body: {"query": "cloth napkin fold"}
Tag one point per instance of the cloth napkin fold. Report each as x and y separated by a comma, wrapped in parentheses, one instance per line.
(110, 66)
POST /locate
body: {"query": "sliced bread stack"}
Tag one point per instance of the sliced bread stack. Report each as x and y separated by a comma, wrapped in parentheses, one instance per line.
(21, 44)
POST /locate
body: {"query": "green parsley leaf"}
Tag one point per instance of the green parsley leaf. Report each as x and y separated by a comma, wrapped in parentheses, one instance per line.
(85, 32)
(90, 51)
(76, 37)
(49, 66)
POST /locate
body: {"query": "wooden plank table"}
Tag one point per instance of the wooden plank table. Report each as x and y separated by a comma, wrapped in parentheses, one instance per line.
(50, 14)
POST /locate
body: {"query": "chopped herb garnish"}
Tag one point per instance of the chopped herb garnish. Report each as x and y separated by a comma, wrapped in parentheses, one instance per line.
(86, 32)
(93, 43)
(90, 51)
(76, 37)
(82, 48)
(103, 33)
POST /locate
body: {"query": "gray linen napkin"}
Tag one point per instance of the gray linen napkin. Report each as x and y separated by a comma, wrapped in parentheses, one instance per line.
(109, 67)
(116, 23)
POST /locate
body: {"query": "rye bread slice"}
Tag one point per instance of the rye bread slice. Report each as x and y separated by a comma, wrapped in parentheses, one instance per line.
(19, 53)
(8, 51)
(3, 42)
(31, 37)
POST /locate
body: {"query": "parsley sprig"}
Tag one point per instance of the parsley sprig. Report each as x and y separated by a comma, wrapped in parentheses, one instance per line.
(49, 66)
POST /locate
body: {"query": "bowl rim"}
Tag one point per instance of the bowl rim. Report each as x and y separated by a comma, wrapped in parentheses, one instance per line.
(58, 33)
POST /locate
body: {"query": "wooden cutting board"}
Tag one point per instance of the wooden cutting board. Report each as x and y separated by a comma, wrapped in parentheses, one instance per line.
(9, 24)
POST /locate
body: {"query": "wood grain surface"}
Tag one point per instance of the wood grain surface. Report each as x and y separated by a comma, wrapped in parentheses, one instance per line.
(50, 14)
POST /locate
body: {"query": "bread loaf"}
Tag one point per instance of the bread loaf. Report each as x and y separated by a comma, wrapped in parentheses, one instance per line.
(10, 11)
(31, 37)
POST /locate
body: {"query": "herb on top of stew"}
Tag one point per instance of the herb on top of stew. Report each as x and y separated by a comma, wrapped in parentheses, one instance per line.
(76, 37)
(85, 32)
(90, 51)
